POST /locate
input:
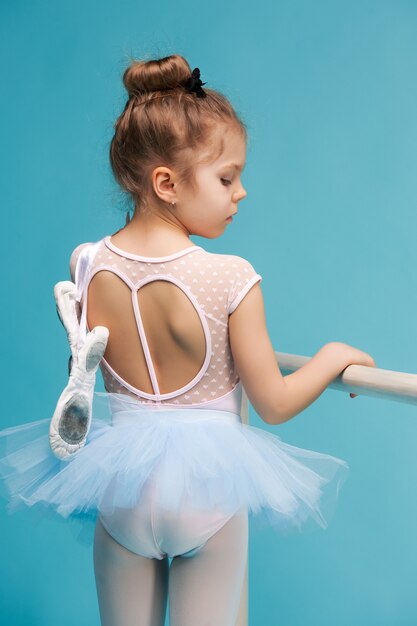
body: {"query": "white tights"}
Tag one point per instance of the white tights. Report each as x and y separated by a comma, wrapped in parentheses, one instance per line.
(203, 589)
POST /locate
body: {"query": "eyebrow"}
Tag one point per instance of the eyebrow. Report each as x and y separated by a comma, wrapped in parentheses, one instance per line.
(237, 166)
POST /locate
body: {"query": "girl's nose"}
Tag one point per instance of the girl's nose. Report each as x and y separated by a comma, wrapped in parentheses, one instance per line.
(239, 195)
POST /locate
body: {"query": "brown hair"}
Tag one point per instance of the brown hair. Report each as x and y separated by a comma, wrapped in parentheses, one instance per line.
(164, 124)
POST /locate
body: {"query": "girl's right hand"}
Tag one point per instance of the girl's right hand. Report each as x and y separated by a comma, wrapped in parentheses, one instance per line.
(358, 357)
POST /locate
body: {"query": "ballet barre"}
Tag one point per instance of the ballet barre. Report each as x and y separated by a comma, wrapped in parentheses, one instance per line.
(360, 379)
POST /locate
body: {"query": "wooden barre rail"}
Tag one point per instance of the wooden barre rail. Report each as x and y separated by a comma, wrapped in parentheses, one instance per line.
(367, 381)
(360, 379)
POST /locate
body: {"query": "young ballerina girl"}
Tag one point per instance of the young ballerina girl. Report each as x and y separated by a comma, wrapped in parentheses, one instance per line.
(171, 480)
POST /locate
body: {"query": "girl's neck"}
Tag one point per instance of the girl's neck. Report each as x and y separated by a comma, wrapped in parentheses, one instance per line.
(151, 235)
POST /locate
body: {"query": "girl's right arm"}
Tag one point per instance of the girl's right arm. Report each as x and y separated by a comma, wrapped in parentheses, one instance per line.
(274, 397)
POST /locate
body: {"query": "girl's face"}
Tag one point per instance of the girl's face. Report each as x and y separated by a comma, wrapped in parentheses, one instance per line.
(205, 212)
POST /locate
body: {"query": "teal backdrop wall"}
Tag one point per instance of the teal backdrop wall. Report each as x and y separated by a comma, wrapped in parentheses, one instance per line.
(329, 93)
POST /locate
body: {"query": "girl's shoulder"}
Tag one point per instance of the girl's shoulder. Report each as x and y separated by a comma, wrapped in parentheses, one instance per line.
(231, 264)
(74, 257)
(234, 274)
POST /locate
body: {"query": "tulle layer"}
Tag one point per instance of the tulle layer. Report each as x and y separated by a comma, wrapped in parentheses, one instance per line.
(199, 458)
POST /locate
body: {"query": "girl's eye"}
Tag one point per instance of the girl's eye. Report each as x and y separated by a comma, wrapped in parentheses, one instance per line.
(225, 180)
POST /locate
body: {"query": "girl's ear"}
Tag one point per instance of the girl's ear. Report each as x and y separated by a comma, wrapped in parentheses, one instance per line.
(163, 183)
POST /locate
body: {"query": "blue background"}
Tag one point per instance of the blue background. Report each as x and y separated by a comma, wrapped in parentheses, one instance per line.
(328, 90)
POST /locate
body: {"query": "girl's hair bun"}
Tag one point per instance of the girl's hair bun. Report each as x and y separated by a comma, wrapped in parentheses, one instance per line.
(143, 77)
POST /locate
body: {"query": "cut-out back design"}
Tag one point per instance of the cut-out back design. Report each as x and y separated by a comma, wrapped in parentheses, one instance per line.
(212, 284)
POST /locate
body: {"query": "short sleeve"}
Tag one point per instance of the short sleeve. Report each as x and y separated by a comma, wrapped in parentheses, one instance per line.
(74, 258)
(244, 277)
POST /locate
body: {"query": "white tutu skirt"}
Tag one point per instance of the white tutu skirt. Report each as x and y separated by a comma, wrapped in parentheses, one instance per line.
(197, 458)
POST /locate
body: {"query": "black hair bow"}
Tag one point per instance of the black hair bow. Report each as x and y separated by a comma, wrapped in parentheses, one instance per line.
(193, 84)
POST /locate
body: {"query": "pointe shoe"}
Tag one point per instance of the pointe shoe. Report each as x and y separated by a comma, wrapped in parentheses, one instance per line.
(71, 421)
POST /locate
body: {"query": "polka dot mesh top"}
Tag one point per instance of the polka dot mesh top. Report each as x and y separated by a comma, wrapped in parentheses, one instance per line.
(214, 283)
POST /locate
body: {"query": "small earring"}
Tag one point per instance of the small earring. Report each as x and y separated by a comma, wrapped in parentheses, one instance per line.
(172, 204)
